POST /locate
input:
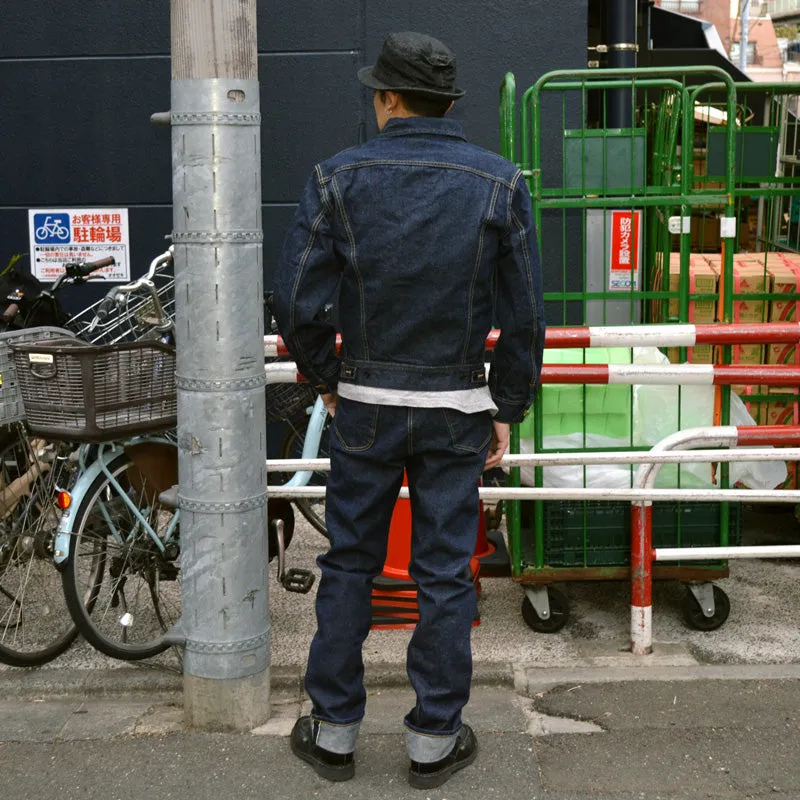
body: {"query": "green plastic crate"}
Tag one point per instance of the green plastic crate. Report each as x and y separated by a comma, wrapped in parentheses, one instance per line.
(604, 161)
(572, 408)
(598, 534)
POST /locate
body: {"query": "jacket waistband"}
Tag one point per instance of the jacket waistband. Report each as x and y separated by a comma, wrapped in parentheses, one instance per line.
(413, 377)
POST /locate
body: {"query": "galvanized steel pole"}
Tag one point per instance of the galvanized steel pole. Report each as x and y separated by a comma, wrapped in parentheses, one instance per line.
(216, 174)
(744, 34)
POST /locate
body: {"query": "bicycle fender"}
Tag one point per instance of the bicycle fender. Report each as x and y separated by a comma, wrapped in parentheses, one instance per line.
(63, 541)
(316, 423)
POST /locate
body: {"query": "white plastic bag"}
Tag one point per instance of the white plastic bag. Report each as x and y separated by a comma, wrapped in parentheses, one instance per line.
(605, 476)
(657, 413)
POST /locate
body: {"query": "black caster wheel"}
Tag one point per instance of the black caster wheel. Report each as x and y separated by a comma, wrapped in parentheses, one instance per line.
(559, 612)
(278, 508)
(694, 616)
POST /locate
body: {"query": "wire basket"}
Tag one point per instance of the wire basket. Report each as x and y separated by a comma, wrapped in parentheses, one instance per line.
(11, 407)
(284, 401)
(80, 392)
(134, 319)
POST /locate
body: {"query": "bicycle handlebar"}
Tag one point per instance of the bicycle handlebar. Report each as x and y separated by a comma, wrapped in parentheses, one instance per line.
(78, 272)
(88, 267)
(106, 304)
(114, 297)
(158, 261)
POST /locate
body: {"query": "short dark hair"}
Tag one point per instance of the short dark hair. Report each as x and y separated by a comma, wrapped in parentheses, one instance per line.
(424, 105)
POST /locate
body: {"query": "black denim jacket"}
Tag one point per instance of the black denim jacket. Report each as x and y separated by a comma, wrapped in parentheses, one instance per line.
(427, 240)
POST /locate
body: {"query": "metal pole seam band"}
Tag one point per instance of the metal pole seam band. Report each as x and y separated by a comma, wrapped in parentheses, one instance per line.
(213, 118)
(206, 507)
(217, 237)
(198, 384)
(241, 646)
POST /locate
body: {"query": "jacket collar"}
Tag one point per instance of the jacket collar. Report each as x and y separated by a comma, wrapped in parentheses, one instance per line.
(413, 126)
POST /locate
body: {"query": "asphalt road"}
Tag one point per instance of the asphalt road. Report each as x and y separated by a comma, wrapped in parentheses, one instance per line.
(620, 740)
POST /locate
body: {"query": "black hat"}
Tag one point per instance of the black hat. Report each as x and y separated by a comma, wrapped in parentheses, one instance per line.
(414, 63)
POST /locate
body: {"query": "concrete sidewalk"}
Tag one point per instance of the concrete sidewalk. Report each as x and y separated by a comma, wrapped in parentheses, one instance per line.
(762, 628)
(569, 715)
(718, 738)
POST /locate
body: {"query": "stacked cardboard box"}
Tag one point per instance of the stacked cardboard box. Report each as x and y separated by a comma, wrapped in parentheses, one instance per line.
(753, 273)
(749, 277)
(783, 409)
(785, 279)
(780, 274)
(702, 280)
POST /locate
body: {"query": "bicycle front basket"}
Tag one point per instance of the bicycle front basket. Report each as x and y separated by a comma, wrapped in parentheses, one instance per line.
(80, 392)
(11, 408)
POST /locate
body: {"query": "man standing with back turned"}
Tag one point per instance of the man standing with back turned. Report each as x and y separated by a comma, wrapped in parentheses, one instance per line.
(425, 239)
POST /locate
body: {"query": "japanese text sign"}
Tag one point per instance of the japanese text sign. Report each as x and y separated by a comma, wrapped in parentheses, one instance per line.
(62, 235)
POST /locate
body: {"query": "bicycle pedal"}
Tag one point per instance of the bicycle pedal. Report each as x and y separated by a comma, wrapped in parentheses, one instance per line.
(298, 580)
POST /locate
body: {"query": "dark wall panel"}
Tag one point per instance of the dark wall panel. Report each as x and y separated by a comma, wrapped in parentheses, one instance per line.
(310, 25)
(311, 107)
(46, 28)
(79, 85)
(82, 134)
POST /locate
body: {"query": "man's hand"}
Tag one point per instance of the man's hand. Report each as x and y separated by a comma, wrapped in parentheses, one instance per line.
(499, 445)
(330, 403)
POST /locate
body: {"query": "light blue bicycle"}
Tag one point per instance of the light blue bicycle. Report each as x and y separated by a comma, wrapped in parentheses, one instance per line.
(118, 544)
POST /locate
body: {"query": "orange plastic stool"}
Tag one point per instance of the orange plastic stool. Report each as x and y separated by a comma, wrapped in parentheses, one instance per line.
(394, 593)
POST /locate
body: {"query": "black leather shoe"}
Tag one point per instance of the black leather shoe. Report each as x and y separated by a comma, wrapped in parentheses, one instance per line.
(331, 766)
(429, 776)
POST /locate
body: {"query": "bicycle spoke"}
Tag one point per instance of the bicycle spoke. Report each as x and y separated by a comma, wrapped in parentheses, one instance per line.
(34, 622)
(132, 605)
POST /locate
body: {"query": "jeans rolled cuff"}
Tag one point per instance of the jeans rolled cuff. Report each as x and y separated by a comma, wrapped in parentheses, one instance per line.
(339, 739)
(427, 748)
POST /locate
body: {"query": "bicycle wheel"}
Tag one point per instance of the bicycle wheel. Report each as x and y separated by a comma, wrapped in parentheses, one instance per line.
(313, 509)
(35, 624)
(121, 587)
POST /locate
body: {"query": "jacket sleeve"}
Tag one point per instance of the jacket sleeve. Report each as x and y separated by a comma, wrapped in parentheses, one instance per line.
(519, 311)
(306, 280)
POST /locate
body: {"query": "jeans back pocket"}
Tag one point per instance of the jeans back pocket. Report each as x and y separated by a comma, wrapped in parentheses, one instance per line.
(468, 432)
(355, 424)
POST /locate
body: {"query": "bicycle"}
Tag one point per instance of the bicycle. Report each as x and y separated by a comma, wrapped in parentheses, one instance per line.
(118, 543)
(34, 626)
(308, 421)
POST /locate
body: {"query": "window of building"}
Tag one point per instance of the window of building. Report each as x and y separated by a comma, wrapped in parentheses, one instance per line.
(778, 6)
(751, 52)
(684, 6)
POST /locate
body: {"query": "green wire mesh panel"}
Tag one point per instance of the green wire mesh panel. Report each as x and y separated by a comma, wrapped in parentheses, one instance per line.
(598, 534)
(606, 202)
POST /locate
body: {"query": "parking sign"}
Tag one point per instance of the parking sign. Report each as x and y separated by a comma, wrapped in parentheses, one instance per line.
(76, 235)
(51, 228)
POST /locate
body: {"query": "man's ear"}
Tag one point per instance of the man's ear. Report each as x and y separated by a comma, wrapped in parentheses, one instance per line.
(393, 100)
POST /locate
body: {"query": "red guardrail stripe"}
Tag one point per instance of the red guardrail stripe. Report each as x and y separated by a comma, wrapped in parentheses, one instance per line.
(714, 333)
(777, 435)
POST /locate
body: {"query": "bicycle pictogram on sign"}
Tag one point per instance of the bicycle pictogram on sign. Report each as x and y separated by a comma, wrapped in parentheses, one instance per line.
(51, 228)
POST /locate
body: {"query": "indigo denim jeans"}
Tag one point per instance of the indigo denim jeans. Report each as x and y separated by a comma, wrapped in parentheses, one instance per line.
(443, 452)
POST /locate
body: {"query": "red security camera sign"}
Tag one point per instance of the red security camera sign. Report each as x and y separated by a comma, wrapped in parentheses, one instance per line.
(626, 249)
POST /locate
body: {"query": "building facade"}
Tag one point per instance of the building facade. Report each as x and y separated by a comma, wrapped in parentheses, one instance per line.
(79, 88)
(765, 59)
